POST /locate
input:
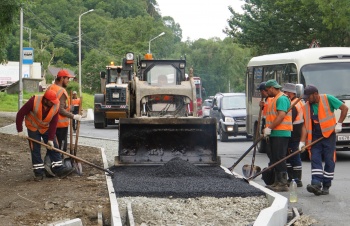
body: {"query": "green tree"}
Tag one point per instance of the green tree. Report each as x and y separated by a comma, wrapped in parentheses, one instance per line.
(277, 26)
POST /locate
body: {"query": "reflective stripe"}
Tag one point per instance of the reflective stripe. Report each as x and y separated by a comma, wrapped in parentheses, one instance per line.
(56, 164)
(63, 121)
(34, 121)
(38, 166)
(299, 106)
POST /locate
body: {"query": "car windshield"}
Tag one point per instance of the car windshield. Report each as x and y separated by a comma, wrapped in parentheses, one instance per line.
(207, 103)
(233, 102)
(329, 78)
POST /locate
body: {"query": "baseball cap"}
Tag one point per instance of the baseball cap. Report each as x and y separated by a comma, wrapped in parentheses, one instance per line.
(51, 96)
(289, 87)
(74, 92)
(261, 86)
(64, 73)
(273, 83)
(309, 89)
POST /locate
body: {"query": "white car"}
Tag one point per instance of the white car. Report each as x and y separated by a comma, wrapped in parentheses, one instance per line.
(206, 107)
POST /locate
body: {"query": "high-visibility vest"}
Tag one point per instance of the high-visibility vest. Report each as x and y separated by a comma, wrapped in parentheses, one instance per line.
(34, 120)
(266, 104)
(272, 113)
(63, 121)
(76, 102)
(326, 118)
(299, 106)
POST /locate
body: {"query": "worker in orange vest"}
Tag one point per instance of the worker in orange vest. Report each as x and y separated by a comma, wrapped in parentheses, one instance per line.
(41, 116)
(294, 164)
(75, 108)
(61, 82)
(320, 121)
(278, 128)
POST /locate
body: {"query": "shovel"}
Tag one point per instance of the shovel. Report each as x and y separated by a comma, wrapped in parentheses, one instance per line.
(76, 164)
(246, 153)
(256, 169)
(281, 160)
(110, 173)
(249, 170)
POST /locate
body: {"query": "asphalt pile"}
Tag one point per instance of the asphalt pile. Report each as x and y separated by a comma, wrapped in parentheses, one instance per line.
(179, 179)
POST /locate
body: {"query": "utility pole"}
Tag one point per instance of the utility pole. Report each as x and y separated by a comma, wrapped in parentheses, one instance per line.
(20, 82)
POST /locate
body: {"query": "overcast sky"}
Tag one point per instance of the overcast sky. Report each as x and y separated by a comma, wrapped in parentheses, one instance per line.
(200, 18)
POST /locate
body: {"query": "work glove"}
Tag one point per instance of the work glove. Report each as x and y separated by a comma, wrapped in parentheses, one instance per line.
(267, 132)
(77, 117)
(301, 146)
(50, 143)
(338, 127)
(22, 135)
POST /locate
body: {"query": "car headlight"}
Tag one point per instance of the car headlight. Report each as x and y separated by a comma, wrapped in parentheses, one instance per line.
(229, 119)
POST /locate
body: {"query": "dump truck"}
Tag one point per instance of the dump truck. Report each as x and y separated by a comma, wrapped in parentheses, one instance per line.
(161, 125)
(113, 102)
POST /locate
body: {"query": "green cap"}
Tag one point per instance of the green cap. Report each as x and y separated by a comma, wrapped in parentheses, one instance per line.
(273, 83)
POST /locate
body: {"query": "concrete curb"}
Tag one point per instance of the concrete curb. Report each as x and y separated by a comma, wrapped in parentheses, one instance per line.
(115, 214)
(277, 213)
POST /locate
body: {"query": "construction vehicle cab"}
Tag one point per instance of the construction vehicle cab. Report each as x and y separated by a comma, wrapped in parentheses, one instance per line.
(113, 102)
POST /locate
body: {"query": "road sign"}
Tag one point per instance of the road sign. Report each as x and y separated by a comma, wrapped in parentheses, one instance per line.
(28, 55)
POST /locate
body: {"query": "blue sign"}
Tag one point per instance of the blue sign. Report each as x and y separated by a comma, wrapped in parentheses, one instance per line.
(28, 55)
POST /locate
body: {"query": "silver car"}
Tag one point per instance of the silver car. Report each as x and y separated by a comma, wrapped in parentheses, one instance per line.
(229, 109)
(206, 107)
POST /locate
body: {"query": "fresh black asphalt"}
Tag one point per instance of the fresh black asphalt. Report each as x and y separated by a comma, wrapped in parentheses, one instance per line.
(179, 179)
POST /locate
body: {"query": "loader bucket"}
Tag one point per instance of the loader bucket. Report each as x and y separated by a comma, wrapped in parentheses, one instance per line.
(155, 141)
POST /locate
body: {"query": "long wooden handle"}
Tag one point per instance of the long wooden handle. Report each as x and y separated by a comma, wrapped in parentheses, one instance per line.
(245, 153)
(257, 133)
(71, 127)
(72, 156)
(285, 158)
(78, 128)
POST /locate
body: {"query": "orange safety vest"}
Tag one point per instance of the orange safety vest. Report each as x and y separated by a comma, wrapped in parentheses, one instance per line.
(272, 113)
(76, 102)
(63, 121)
(299, 106)
(34, 121)
(326, 118)
(266, 104)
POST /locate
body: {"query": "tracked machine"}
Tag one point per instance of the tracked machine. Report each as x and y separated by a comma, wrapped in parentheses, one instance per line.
(160, 125)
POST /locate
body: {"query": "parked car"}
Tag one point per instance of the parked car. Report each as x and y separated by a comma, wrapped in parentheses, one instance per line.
(206, 107)
(229, 109)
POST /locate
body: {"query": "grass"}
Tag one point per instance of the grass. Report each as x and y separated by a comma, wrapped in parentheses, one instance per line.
(9, 102)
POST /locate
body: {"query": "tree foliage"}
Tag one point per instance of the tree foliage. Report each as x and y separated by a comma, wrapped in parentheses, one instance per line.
(285, 25)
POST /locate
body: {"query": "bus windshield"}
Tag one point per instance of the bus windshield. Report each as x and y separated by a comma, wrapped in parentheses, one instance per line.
(329, 78)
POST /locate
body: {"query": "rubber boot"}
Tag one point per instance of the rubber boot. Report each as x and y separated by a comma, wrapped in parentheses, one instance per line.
(314, 188)
(297, 177)
(282, 184)
(290, 173)
(274, 183)
(325, 190)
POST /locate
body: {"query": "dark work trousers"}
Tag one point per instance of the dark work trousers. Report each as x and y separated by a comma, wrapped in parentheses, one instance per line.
(37, 161)
(279, 146)
(294, 161)
(61, 134)
(75, 111)
(325, 148)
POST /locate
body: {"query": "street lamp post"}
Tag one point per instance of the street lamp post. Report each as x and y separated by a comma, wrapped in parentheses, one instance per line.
(80, 48)
(149, 43)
